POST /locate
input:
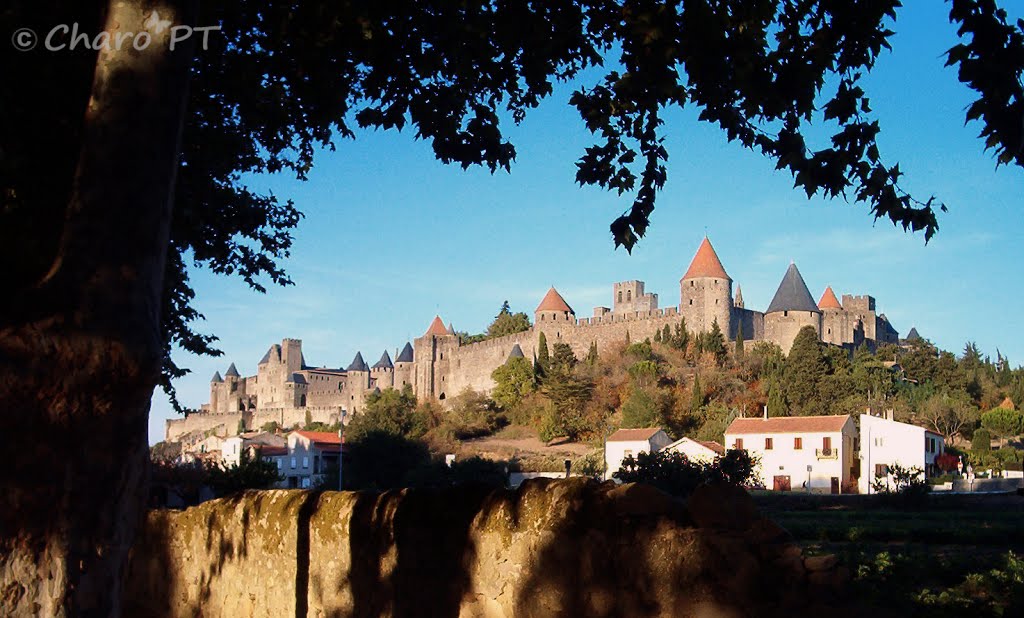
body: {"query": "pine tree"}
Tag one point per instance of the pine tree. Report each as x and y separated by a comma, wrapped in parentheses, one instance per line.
(542, 352)
(739, 340)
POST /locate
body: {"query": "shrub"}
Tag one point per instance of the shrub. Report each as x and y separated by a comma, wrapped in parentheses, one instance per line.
(676, 474)
(909, 484)
(981, 441)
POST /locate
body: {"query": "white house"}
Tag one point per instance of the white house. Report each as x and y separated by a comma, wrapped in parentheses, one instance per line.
(626, 442)
(884, 442)
(812, 453)
(232, 448)
(697, 450)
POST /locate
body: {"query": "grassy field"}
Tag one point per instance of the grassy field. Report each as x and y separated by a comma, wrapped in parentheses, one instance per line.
(948, 556)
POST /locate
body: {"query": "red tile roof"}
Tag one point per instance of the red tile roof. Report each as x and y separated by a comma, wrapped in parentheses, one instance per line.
(788, 424)
(633, 435)
(705, 263)
(710, 444)
(553, 301)
(271, 451)
(437, 328)
(321, 437)
(829, 300)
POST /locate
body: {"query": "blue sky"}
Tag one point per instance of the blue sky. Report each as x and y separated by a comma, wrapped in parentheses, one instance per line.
(392, 237)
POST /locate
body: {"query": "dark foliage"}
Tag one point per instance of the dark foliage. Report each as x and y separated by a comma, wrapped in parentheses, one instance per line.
(676, 474)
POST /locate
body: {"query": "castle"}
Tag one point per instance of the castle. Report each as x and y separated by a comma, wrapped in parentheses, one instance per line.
(437, 365)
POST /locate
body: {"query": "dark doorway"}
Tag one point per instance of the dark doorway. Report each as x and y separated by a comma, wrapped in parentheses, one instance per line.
(835, 484)
(781, 483)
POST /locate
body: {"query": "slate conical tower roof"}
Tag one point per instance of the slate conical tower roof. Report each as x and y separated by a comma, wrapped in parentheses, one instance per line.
(358, 364)
(738, 299)
(913, 335)
(406, 354)
(553, 301)
(216, 377)
(829, 300)
(384, 362)
(792, 294)
(451, 329)
(436, 328)
(232, 372)
(705, 263)
(517, 352)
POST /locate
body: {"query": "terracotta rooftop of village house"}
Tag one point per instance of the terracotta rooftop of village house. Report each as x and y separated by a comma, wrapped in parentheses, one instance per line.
(271, 451)
(829, 300)
(327, 440)
(714, 446)
(437, 328)
(788, 424)
(705, 263)
(633, 435)
(553, 301)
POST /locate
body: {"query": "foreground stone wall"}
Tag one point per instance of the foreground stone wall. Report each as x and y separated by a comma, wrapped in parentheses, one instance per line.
(550, 548)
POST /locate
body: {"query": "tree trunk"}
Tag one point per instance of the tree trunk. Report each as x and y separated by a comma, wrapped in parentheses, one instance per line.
(80, 350)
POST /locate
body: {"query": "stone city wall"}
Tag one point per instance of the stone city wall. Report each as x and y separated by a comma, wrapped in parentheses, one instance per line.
(550, 548)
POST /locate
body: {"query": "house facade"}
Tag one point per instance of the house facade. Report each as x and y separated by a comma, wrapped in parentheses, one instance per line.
(631, 442)
(884, 442)
(697, 450)
(809, 453)
(310, 455)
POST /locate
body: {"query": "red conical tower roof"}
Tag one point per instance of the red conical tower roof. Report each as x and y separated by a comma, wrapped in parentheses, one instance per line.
(553, 301)
(437, 328)
(706, 263)
(829, 300)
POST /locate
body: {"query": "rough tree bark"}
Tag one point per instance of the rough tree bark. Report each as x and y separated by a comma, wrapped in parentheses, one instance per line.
(80, 349)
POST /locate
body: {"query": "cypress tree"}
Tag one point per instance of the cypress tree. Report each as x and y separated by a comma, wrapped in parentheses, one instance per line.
(666, 335)
(739, 341)
(697, 398)
(776, 405)
(714, 341)
(804, 371)
(542, 352)
(657, 336)
(627, 337)
(592, 354)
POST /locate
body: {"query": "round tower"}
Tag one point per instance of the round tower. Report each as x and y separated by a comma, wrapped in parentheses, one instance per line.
(791, 309)
(553, 309)
(834, 319)
(705, 293)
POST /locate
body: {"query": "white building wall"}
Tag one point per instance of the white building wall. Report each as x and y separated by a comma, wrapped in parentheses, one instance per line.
(783, 459)
(694, 451)
(615, 451)
(231, 451)
(886, 442)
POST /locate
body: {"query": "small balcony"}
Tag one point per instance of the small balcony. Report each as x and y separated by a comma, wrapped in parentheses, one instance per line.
(827, 453)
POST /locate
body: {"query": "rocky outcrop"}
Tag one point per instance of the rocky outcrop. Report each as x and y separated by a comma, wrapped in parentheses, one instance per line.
(550, 548)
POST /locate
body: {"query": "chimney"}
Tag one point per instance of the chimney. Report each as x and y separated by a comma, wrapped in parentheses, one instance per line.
(890, 414)
(765, 411)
